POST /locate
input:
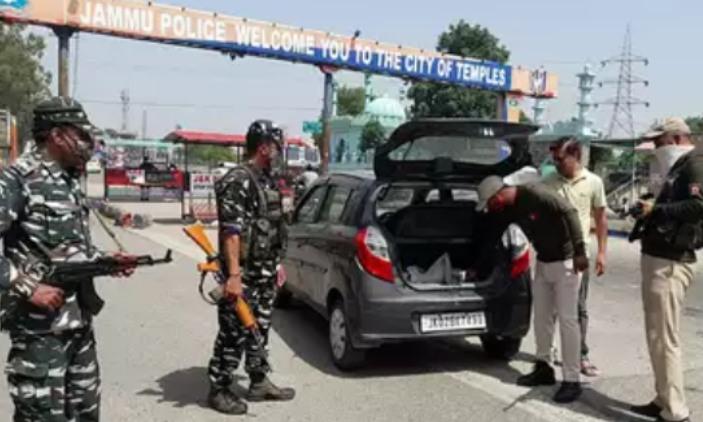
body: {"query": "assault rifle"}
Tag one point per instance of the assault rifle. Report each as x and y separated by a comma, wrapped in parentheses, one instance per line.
(62, 273)
(196, 232)
(78, 276)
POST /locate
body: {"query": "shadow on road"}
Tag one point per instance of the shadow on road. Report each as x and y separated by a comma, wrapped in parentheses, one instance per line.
(610, 408)
(170, 221)
(187, 387)
(305, 332)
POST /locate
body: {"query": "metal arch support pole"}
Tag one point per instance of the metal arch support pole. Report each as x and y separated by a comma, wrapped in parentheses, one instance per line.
(501, 106)
(186, 180)
(64, 36)
(326, 115)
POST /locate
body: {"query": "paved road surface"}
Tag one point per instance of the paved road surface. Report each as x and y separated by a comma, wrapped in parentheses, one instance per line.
(155, 336)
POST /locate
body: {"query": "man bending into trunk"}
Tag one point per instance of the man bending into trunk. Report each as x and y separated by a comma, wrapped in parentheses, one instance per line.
(553, 226)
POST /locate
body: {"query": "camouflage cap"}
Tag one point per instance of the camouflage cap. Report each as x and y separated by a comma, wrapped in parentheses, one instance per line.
(60, 111)
(672, 125)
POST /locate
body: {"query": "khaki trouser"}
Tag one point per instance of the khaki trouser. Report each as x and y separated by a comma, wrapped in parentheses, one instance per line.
(664, 285)
(555, 289)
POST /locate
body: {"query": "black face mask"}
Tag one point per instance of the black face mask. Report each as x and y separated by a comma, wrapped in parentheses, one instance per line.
(76, 147)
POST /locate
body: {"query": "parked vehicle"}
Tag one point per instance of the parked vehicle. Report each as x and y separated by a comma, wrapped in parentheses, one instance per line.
(400, 253)
(222, 168)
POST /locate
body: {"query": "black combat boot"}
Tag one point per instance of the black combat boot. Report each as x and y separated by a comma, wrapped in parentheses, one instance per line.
(225, 401)
(543, 374)
(262, 389)
(650, 410)
(568, 392)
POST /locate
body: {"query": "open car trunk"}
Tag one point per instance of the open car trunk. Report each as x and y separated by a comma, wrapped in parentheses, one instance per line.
(445, 244)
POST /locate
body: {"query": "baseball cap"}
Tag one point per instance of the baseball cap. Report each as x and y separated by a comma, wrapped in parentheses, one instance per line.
(487, 189)
(669, 125)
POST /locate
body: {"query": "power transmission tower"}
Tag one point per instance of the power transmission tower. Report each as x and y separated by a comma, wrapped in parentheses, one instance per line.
(624, 100)
(124, 96)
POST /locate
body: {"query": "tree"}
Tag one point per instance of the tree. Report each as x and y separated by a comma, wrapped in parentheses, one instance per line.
(210, 155)
(524, 118)
(350, 101)
(439, 100)
(600, 157)
(23, 80)
(372, 135)
(696, 124)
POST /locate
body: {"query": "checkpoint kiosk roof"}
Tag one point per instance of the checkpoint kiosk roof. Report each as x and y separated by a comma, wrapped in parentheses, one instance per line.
(212, 138)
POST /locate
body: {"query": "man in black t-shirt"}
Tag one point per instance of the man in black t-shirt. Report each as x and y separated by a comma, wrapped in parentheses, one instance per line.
(553, 226)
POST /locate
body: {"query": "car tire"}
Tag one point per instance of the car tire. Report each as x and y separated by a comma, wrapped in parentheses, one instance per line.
(284, 298)
(501, 348)
(344, 355)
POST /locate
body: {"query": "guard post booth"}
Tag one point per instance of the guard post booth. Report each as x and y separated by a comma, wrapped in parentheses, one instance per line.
(197, 193)
(126, 178)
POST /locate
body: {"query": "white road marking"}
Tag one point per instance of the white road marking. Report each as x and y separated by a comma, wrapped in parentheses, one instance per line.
(511, 395)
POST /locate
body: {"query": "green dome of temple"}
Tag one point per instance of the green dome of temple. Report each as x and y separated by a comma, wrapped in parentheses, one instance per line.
(387, 110)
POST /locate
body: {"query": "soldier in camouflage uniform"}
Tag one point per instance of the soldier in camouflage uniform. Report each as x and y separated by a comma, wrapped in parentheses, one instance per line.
(252, 242)
(52, 367)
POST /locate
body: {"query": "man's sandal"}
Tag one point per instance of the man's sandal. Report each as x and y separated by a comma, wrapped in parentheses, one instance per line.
(588, 369)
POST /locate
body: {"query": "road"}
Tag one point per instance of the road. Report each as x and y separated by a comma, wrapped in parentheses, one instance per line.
(155, 336)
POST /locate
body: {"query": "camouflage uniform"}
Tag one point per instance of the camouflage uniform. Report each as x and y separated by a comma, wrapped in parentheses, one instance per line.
(254, 212)
(52, 367)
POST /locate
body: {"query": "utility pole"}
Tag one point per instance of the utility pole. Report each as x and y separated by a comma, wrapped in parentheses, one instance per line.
(327, 106)
(624, 99)
(75, 66)
(124, 97)
(64, 36)
(144, 120)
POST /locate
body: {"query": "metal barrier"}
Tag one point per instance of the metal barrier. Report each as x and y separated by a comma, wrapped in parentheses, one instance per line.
(199, 203)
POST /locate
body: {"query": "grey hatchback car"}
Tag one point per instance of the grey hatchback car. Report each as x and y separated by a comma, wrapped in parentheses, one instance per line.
(401, 253)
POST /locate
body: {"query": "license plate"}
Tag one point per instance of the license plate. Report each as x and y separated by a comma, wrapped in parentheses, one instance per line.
(454, 321)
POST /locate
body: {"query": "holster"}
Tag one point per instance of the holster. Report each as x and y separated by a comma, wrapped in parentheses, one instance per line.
(688, 236)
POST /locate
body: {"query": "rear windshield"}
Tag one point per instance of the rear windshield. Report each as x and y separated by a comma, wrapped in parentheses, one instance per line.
(484, 151)
(400, 197)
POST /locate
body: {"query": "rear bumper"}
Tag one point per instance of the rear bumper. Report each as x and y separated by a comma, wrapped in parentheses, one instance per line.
(390, 313)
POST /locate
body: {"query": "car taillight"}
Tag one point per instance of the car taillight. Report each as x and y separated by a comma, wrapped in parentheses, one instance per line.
(520, 264)
(515, 240)
(372, 251)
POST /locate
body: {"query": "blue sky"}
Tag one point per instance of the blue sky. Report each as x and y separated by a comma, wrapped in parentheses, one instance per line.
(225, 95)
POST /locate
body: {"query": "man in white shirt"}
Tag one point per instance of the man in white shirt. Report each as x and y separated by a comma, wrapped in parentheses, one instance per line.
(585, 191)
(309, 176)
